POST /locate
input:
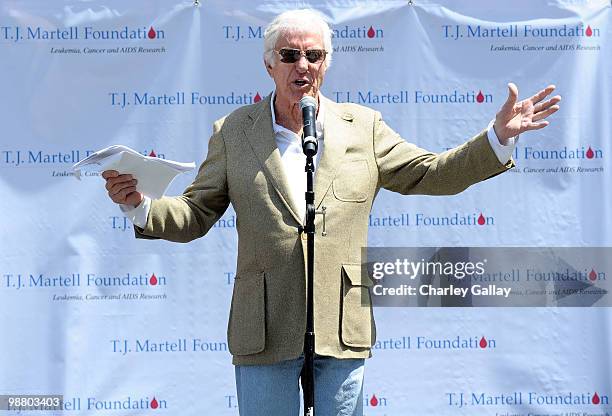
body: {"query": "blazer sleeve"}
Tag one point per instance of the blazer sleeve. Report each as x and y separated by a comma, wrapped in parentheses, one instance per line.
(190, 216)
(408, 169)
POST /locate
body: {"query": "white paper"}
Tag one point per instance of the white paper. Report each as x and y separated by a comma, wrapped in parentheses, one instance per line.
(154, 175)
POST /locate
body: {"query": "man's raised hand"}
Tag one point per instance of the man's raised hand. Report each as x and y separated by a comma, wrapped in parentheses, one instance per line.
(514, 117)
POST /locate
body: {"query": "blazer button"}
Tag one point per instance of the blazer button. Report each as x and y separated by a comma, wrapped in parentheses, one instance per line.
(304, 236)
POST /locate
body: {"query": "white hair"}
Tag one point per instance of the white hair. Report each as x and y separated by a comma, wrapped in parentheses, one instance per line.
(296, 21)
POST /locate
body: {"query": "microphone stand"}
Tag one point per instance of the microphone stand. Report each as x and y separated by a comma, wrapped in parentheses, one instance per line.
(309, 145)
(309, 338)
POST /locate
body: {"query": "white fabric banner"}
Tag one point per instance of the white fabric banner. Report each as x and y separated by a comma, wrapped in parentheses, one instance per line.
(118, 325)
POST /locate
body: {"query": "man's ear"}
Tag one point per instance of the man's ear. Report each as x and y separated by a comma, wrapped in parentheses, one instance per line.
(268, 67)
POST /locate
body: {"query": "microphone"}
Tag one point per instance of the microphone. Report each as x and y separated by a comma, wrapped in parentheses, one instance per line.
(308, 105)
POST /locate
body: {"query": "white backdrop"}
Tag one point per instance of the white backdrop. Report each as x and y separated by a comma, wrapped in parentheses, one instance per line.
(118, 325)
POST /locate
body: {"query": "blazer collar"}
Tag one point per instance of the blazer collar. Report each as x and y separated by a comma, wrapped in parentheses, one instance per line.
(261, 137)
(337, 130)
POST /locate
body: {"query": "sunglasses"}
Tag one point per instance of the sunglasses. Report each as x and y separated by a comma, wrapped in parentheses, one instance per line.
(290, 56)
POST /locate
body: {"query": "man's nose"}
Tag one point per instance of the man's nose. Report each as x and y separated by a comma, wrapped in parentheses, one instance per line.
(302, 64)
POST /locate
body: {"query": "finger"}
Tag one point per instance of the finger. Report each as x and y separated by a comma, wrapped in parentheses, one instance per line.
(112, 182)
(110, 174)
(536, 98)
(115, 189)
(121, 177)
(537, 126)
(121, 196)
(511, 100)
(115, 199)
(544, 105)
(543, 114)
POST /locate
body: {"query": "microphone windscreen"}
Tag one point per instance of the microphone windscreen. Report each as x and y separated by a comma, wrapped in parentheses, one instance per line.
(308, 101)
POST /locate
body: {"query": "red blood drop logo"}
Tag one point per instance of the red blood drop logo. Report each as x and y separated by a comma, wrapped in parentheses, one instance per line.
(151, 33)
(154, 404)
(481, 220)
(257, 98)
(152, 154)
(480, 97)
(590, 153)
(593, 275)
(371, 32)
(374, 400)
(589, 31)
(595, 399)
(153, 280)
(483, 343)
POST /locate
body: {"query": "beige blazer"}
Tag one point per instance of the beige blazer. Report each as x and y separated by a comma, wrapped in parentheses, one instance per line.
(243, 167)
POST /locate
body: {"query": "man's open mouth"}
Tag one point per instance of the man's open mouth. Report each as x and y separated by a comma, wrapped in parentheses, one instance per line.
(300, 82)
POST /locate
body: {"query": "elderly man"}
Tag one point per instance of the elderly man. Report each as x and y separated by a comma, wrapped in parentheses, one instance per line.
(255, 162)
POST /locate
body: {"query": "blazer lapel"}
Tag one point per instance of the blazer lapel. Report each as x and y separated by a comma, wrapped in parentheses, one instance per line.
(337, 130)
(263, 142)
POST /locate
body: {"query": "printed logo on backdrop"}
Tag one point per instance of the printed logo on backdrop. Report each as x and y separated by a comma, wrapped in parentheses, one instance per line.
(123, 224)
(418, 97)
(513, 38)
(118, 403)
(546, 158)
(475, 219)
(239, 33)
(345, 38)
(178, 345)
(580, 401)
(225, 222)
(89, 287)
(358, 39)
(373, 401)
(231, 401)
(130, 99)
(57, 162)
(432, 344)
(89, 40)
(228, 278)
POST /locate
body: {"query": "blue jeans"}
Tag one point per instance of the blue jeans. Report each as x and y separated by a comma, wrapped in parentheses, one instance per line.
(273, 390)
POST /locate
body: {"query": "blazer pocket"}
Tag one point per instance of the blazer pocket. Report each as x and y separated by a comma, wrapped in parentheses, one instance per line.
(246, 331)
(357, 325)
(352, 182)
